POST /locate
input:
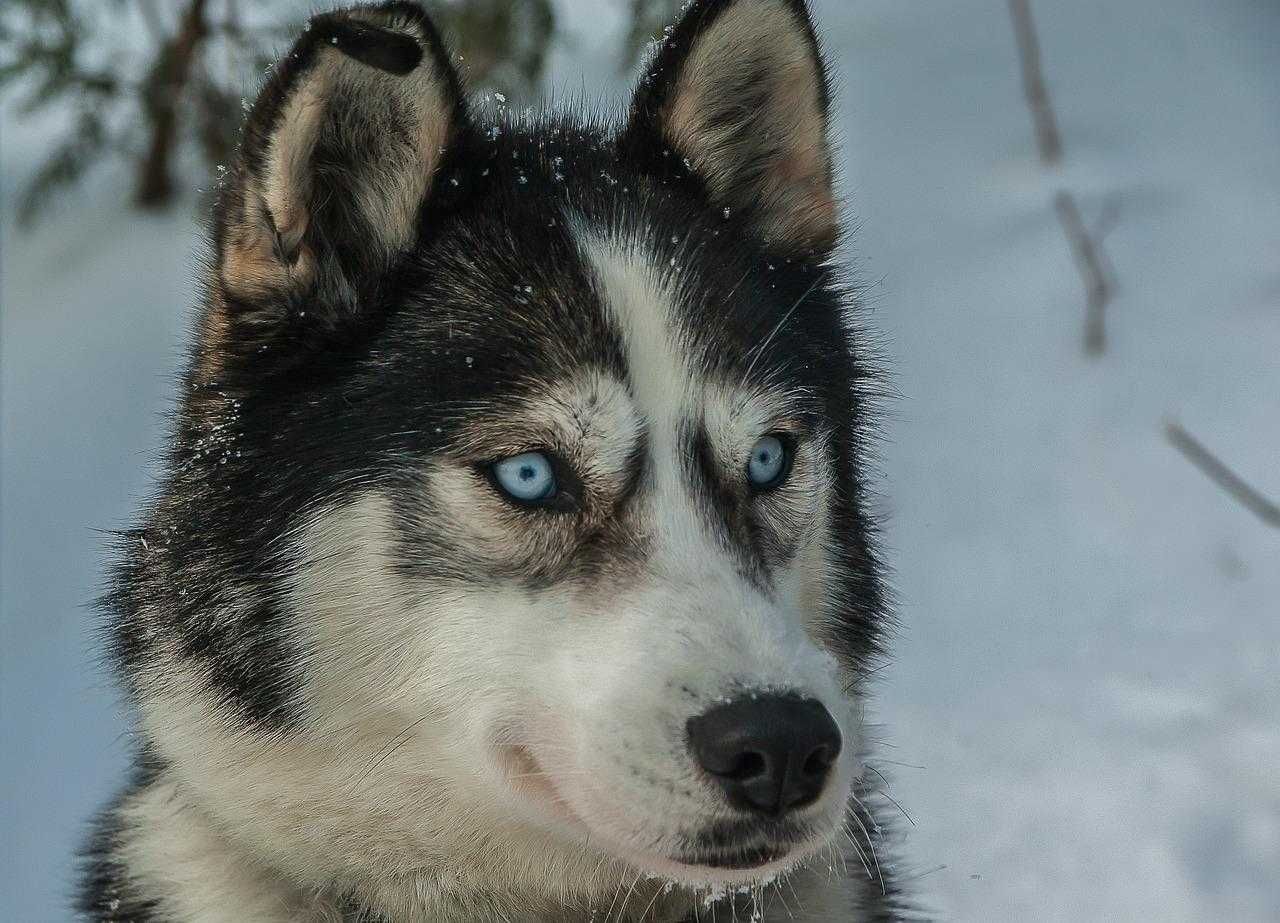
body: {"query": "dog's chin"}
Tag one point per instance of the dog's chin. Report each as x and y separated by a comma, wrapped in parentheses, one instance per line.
(728, 867)
(753, 859)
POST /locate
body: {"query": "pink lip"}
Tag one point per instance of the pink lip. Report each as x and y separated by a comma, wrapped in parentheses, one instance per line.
(527, 778)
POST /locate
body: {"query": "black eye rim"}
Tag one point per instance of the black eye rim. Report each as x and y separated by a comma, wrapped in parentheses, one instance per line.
(566, 498)
(788, 443)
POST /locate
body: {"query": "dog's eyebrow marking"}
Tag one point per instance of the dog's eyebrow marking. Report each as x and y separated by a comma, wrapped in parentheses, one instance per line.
(703, 470)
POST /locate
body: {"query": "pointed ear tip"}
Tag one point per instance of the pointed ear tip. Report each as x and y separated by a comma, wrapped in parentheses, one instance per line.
(764, 20)
(700, 8)
(374, 36)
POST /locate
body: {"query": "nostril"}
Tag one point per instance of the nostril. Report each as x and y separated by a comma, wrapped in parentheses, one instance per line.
(747, 766)
(820, 760)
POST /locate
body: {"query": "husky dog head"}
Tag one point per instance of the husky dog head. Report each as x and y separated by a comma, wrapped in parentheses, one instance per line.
(514, 540)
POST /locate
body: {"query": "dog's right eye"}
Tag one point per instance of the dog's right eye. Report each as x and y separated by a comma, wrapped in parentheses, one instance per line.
(526, 478)
(769, 464)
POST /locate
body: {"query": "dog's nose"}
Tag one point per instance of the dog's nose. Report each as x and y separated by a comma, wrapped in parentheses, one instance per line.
(770, 754)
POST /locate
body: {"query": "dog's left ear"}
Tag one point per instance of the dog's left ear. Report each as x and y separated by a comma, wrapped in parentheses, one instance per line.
(738, 92)
(339, 155)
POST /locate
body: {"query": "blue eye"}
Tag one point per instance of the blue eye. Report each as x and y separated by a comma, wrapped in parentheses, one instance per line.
(527, 477)
(767, 466)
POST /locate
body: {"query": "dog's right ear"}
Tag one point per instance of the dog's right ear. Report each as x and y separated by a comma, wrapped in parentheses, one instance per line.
(738, 93)
(338, 154)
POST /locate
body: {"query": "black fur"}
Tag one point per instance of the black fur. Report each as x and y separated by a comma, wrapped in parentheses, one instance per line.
(105, 895)
(381, 48)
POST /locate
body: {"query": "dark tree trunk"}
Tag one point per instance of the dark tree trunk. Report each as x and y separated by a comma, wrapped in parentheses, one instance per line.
(160, 101)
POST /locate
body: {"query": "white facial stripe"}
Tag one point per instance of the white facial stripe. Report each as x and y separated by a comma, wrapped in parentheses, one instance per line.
(639, 300)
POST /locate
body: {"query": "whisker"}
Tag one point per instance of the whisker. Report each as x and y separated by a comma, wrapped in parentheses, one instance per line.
(870, 845)
(894, 802)
(835, 857)
(861, 855)
(880, 774)
(657, 893)
(617, 892)
(918, 876)
(759, 350)
(777, 886)
(630, 890)
(395, 744)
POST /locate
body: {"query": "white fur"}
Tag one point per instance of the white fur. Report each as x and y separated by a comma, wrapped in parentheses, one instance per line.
(176, 854)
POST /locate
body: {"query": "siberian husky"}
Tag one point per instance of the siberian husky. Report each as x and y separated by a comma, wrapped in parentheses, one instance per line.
(512, 561)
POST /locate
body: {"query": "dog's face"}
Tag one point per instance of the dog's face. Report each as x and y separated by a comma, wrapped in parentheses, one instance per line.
(525, 467)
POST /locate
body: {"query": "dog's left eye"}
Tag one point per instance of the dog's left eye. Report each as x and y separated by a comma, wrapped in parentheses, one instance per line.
(527, 478)
(769, 464)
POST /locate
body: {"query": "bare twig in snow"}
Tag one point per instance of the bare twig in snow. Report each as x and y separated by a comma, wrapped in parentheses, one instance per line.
(927, 872)
(1089, 260)
(1217, 471)
(1033, 84)
(1106, 222)
(1108, 217)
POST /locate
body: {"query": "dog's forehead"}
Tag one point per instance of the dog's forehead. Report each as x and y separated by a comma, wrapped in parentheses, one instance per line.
(558, 274)
(669, 372)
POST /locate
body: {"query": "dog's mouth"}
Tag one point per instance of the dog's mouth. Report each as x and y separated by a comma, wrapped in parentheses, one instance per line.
(733, 851)
(744, 859)
(738, 865)
(741, 864)
(745, 845)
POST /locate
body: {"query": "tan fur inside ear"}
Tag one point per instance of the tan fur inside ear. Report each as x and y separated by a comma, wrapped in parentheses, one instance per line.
(776, 160)
(263, 251)
(395, 128)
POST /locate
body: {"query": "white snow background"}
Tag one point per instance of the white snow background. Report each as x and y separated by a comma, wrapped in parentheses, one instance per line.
(1084, 705)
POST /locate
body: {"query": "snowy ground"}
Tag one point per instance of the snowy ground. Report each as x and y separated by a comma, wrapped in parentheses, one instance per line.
(1089, 672)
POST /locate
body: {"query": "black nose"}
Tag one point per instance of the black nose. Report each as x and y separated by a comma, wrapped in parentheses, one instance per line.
(770, 754)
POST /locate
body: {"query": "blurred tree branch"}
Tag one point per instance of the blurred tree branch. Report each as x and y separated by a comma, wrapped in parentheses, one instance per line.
(144, 81)
(1217, 471)
(1087, 250)
(1033, 83)
(162, 92)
